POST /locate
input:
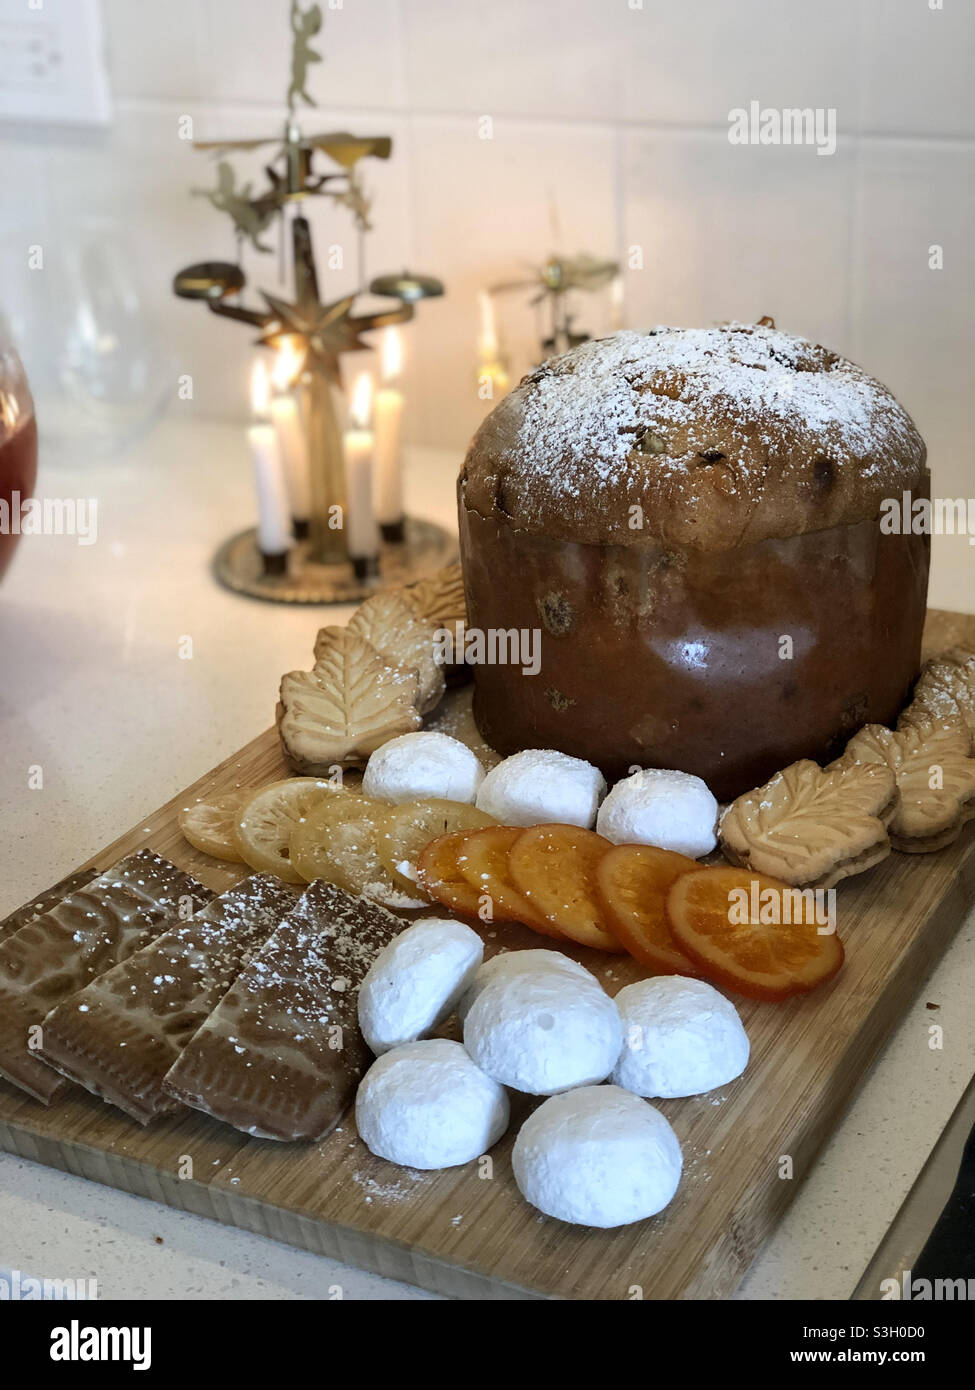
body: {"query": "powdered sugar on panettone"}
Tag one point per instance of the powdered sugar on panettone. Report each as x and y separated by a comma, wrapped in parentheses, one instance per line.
(721, 417)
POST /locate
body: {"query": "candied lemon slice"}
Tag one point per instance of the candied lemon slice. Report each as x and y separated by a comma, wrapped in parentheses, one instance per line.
(268, 818)
(554, 866)
(338, 842)
(210, 825)
(406, 830)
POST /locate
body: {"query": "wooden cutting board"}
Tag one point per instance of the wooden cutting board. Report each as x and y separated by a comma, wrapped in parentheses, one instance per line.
(469, 1236)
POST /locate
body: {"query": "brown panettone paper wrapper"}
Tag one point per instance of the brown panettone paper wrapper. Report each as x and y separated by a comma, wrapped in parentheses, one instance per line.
(730, 664)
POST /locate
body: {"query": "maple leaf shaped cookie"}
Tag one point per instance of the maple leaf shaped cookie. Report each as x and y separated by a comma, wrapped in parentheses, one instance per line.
(935, 779)
(440, 600)
(964, 657)
(440, 597)
(945, 691)
(347, 706)
(811, 827)
(402, 638)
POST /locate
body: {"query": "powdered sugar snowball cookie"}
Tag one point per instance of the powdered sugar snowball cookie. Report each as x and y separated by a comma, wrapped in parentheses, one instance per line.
(673, 810)
(597, 1156)
(416, 980)
(543, 1030)
(426, 1105)
(508, 963)
(540, 786)
(421, 765)
(680, 1038)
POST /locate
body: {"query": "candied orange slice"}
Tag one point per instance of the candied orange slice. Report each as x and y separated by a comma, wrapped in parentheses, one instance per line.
(633, 882)
(438, 873)
(483, 861)
(753, 934)
(554, 866)
(406, 829)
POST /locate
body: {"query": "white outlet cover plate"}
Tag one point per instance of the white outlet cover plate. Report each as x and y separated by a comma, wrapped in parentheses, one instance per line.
(52, 62)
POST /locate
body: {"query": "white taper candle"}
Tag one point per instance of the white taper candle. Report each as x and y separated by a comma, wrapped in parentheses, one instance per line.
(362, 533)
(273, 510)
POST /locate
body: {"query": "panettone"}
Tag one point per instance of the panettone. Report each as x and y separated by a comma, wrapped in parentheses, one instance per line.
(690, 519)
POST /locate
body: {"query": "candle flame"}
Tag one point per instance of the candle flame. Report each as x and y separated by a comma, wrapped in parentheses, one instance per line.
(392, 354)
(287, 364)
(362, 401)
(260, 389)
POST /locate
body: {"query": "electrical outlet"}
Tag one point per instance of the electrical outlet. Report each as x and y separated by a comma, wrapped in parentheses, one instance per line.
(52, 62)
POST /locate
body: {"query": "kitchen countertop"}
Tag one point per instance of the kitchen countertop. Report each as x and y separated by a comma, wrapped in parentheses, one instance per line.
(98, 691)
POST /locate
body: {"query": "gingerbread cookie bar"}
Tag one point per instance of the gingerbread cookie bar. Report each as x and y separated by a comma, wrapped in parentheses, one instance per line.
(64, 949)
(281, 1055)
(120, 1035)
(43, 902)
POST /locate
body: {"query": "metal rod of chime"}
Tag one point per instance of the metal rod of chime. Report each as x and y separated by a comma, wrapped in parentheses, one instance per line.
(326, 464)
(326, 530)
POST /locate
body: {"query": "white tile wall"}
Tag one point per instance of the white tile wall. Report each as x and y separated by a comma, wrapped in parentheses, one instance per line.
(917, 67)
(737, 231)
(690, 62)
(610, 132)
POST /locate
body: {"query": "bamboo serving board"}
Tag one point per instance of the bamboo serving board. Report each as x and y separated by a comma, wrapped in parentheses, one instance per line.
(469, 1236)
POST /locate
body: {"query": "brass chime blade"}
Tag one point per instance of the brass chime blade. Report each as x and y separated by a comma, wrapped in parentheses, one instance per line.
(505, 286)
(208, 280)
(406, 286)
(383, 318)
(237, 144)
(587, 273)
(348, 149)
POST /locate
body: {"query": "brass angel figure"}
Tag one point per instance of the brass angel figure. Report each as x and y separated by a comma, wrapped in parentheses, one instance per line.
(250, 216)
(305, 24)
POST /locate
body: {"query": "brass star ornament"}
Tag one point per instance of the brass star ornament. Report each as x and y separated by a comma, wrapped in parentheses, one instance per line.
(324, 331)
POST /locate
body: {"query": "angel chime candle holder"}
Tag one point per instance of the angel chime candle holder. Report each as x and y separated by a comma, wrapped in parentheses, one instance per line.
(300, 457)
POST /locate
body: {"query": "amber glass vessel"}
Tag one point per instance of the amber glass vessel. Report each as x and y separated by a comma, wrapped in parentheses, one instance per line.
(18, 448)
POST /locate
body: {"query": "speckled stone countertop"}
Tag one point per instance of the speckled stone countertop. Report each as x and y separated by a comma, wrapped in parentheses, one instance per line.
(94, 691)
